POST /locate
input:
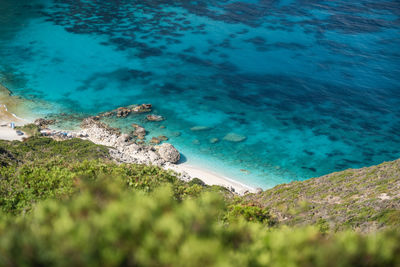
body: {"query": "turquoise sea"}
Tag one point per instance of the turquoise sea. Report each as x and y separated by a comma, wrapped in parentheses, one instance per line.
(313, 85)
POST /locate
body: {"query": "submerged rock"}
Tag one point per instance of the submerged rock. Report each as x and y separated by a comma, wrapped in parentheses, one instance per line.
(200, 128)
(107, 114)
(214, 140)
(163, 138)
(139, 132)
(123, 112)
(176, 134)
(196, 142)
(233, 137)
(43, 122)
(245, 171)
(168, 153)
(155, 141)
(153, 117)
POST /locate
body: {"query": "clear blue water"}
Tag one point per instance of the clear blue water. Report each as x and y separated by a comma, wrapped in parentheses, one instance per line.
(313, 85)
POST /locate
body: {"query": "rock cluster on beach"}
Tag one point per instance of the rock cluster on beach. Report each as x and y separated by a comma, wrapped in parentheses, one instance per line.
(123, 150)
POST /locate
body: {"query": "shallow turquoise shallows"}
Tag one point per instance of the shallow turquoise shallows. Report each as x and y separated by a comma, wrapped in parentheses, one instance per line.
(312, 86)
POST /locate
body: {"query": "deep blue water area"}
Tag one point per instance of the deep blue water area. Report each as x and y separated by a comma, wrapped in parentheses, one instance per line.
(313, 85)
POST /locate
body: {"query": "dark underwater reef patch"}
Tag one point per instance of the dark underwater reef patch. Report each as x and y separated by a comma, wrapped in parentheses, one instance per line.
(138, 24)
(123, 76)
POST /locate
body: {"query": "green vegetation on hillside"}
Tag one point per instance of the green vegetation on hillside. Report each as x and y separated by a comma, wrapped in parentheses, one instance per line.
(40, 151)
(362, 199)
(41, 168)
(67, 204)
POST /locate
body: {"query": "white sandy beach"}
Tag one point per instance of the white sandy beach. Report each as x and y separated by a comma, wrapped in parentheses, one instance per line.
(211, 178)
(9, 134)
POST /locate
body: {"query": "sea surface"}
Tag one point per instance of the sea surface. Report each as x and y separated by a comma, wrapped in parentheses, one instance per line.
(314, 86)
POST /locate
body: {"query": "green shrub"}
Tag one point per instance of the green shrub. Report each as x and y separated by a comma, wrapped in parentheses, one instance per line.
(249, 213)
(109, 224)
(323, 225)
(21, 186)
(45, 149)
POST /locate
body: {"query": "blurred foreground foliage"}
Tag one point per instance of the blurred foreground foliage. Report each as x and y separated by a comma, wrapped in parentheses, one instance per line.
(106, 223)
(85, 210)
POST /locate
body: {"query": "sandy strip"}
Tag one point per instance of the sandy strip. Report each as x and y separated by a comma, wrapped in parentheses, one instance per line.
(211, 178)
(6, 117)
(6, 133)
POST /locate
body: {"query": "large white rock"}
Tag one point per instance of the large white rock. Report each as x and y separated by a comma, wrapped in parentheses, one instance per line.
(168, 153)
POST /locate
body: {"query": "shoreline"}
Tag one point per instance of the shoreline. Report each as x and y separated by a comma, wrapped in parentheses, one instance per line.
(210, 177)
(186, 171)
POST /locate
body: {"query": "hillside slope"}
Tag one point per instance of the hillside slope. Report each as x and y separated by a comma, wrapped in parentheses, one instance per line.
(362, 199)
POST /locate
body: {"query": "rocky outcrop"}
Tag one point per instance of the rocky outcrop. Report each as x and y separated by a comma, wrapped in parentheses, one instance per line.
(43, 123)
(100, 131)
(142, 108)
(123, 112)
(168, 153)
(123, 139)
(139, 154)
(139, 131)
(122, 147)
